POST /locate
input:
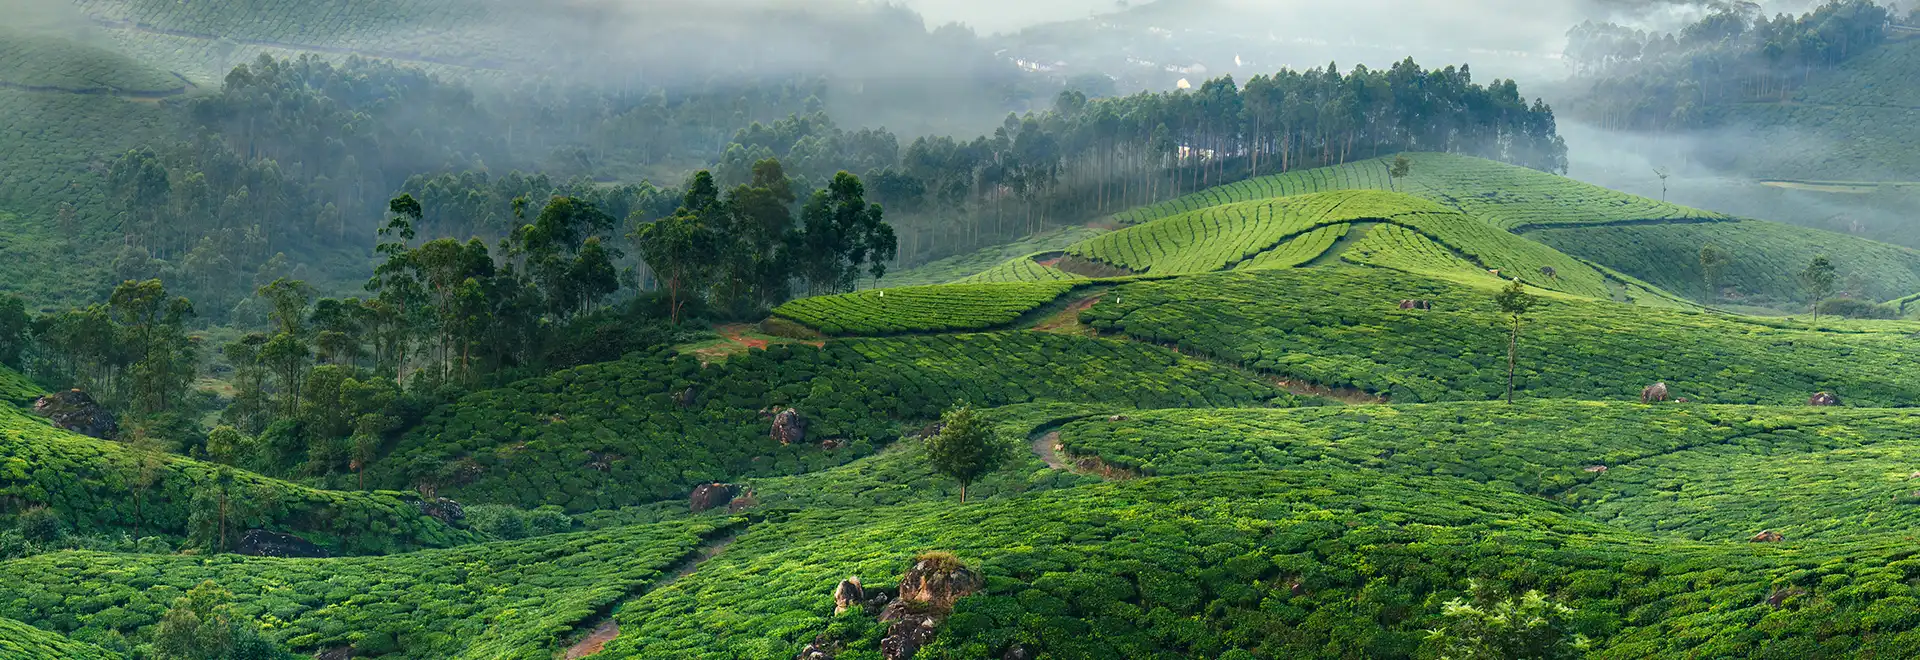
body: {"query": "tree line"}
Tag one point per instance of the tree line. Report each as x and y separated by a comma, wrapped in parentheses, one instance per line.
(319, 387)
(1651, 81)
(1089, 157)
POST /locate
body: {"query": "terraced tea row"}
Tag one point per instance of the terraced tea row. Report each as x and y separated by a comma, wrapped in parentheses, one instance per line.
(1343, 328)
(946, 307)
(46, 62)
(1220, 237)
(91, 484)
(1719, 473)
(1022, 269)
(1505, 196)
(651, 427)
(1765, 258)
(1292, 563)
(505, 599)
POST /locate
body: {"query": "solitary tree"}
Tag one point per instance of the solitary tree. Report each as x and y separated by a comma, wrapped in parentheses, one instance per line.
(203, 625)
(1664, 174)
(1818, 278)
(1713, 268)
(1515, 302)
(1402, 166)
(966, 447)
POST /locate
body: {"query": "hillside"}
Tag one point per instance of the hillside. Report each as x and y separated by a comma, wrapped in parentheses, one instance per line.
(1836, 127)
(1168, 498)
(93, 486)
(1648, 240)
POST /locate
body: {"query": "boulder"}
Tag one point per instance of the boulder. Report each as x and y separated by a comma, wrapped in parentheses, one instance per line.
(710, 496)
(76, 411)
(1655, 393)
(1550, 272)
(441, 509)
(907, 634)
(926, 595)
(1417, 305)
(824, 647)
(1596, 468)
(936, 581)
(789, 427)
(262, 543)
(1117, 418)
(1768, 536)
(1823, 399)
(742, 502)
(848, 595)
(335, 653)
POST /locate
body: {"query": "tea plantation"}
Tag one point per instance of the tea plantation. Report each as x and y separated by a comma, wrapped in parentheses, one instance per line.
(1343, 328)
(96, 486)
(651, 427)
(1646, 239)
(1268, 421)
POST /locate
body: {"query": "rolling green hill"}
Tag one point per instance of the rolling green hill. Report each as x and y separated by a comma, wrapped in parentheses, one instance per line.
(93, 486)
(19, 641)
(1600, 226)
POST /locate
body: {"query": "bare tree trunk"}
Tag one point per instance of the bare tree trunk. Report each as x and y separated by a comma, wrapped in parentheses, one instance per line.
(1513, 346)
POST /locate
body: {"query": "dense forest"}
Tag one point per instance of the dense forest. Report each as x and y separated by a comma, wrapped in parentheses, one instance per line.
(1633, 79)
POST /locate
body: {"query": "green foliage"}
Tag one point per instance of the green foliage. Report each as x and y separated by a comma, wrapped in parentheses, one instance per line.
(1529, 626)
(1505, 196)
(943, 307)
(1763, 261)
(17, 389)
(1020, 269)
(1343, 328)
(1323, 563)
(1221, 237)
(966, 448)
(509, 599)
(975, 266)
(1856, 309)
(1718, 473)
(618, 434)
(1818, 280)
(512, 523)
(203, 626)
(49, 62)
(91, 485)
(19, 641)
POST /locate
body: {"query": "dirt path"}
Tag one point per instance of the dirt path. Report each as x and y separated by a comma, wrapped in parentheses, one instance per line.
(608, 629)
(1047, 448)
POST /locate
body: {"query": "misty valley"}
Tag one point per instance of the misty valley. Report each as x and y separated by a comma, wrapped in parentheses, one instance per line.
(890, 329)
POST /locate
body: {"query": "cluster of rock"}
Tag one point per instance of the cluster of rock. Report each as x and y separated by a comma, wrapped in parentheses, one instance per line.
(707, 497)
(913, 611)
(1417, 305)
(76, 411)
(1659, 393)
(441, 509)
(789, 426)
(262, 543)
